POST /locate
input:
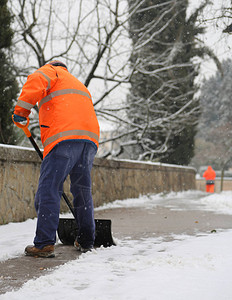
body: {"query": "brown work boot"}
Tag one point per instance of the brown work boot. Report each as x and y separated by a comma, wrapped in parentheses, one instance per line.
(46, 251)
(81, 249)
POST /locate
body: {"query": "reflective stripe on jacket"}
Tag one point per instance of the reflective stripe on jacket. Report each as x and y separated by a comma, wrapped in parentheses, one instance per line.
(65, 106)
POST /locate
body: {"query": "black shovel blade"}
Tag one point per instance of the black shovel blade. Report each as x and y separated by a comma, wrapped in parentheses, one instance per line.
(67, 232)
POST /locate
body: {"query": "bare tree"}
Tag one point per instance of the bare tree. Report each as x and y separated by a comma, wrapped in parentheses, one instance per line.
(162, 96)
(92, 38)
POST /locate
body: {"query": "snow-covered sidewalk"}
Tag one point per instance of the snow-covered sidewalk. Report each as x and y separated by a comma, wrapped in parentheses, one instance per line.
(189, 267)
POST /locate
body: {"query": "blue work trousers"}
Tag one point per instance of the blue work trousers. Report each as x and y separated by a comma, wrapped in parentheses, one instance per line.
(74, 158)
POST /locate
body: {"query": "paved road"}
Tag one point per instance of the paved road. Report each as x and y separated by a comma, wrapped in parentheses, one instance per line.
(139, 223)
(164, 219)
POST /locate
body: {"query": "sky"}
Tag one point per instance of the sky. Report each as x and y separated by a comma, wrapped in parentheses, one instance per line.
(189, 267)
(213, 37)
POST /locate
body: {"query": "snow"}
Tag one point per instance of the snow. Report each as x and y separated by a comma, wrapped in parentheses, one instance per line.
(14, 237)
(188, 267)
(148, 162)
(16, 147)
(218, 203)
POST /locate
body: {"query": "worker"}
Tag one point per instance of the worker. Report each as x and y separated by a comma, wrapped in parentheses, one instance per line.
(70, 137)
(210, 175)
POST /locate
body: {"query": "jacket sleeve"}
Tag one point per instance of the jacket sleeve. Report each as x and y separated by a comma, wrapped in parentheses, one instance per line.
(36, 88)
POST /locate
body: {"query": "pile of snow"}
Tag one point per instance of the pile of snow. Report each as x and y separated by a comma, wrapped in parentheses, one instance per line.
(187, 268)
(14, 237)
(218, 203)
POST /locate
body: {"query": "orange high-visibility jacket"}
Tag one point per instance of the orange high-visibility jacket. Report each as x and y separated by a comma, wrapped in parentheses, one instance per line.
(209, 174)
(65, 106)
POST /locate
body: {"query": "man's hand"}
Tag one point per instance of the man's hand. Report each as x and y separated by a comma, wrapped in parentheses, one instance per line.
(22, 122)
(19, 119)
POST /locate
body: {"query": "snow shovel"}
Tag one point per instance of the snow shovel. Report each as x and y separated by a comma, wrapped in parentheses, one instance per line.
(67, 229)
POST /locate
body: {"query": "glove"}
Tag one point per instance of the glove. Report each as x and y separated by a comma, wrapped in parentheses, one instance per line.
(19, 119)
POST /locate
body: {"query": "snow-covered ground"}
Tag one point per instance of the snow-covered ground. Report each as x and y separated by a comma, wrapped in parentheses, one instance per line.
(190, 267)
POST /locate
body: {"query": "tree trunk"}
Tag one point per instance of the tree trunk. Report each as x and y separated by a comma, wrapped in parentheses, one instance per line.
(222, 177)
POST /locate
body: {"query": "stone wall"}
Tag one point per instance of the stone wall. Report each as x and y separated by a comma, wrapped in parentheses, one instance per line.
(111, 180)
(119, 179)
